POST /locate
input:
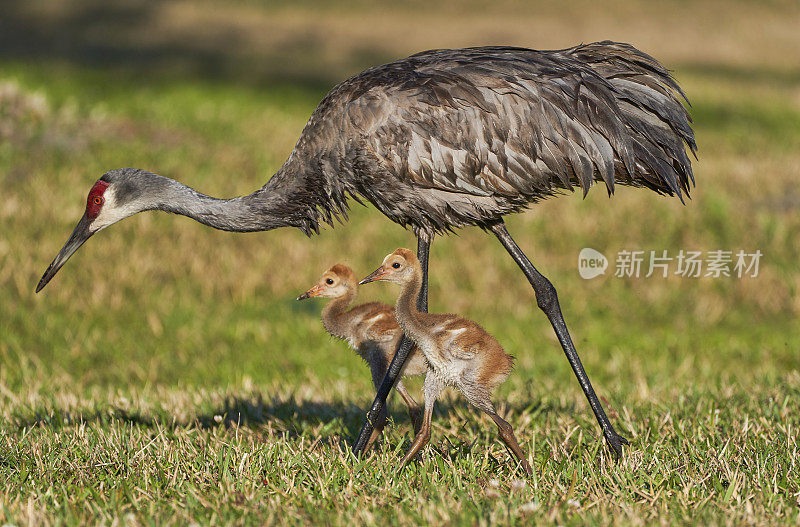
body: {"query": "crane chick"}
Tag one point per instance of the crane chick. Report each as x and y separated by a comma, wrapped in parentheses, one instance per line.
(371, 330)
(458, 351)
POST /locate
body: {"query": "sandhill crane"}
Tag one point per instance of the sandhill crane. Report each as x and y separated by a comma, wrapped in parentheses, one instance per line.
(458, 351)
(371, 330)
(446, 139)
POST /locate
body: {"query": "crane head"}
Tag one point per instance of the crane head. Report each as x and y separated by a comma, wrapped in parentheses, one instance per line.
(398, 267)
(110, 200)
(334, 283)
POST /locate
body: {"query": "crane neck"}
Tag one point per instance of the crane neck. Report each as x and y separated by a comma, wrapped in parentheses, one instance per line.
(408, 316)
(334, 314)
(240, 214)
(294, 197)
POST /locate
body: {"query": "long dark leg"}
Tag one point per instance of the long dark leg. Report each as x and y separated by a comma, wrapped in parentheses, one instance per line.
(378, 368)
(547, 300)
(400, 356)
(508, 437)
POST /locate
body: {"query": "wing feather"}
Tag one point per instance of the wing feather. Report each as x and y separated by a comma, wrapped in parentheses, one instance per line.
(504, 127)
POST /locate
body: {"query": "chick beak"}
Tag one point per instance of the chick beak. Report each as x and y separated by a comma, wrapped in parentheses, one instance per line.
(311, 293)
(377, 274)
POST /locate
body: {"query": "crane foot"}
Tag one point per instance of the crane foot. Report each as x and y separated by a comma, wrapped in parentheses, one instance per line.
(615, 441)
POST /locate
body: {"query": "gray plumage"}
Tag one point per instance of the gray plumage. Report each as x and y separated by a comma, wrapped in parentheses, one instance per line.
(456, 137)
(449, 138)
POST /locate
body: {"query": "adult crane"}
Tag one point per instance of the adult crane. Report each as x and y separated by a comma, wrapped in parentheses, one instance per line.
(446, 139)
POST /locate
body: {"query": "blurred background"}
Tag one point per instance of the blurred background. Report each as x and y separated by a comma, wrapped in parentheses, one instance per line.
(215, 95)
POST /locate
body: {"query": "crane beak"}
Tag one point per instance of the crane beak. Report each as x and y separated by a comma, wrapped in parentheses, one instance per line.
(76, 239)
(311, 293)
(377, 274)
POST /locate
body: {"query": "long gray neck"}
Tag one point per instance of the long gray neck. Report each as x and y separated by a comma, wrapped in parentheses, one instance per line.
(289, 199)
(242, 214)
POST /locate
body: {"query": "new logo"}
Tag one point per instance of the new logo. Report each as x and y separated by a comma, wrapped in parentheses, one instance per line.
(591, 263)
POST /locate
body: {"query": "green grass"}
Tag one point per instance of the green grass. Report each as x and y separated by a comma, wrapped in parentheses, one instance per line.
(167, 375)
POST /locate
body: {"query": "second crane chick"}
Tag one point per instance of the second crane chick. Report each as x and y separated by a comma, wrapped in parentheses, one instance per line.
(459, 352)
(371, 330)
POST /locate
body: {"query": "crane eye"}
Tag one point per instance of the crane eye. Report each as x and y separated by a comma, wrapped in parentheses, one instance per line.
(97, 200)
(329, 281)
(396, 265)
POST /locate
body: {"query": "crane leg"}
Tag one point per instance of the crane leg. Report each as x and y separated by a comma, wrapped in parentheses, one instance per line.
(400, 356)
(547, 300)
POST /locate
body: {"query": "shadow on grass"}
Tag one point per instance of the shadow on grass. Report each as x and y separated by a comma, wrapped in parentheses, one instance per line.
(254, 411)
(250, 411)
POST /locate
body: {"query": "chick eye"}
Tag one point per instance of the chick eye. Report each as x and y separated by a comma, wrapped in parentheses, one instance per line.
(396, 265)
(97, 200)
(329, 281)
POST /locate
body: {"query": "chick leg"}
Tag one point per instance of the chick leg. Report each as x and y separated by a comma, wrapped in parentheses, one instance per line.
(432, 389)
(508, 437)
(414, 409)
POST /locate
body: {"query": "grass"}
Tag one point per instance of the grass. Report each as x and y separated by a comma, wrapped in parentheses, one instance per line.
(168, 376)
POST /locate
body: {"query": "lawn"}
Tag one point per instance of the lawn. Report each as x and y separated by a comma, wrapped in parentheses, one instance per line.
(168, 376)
